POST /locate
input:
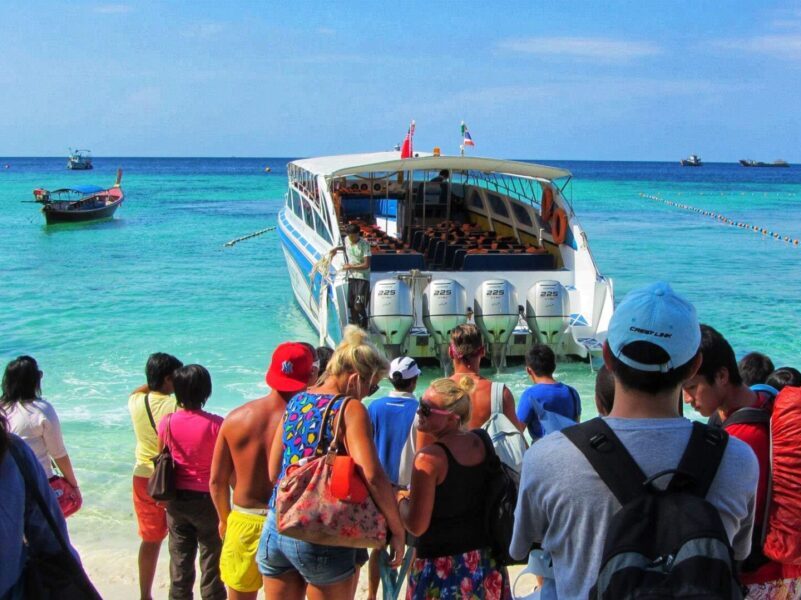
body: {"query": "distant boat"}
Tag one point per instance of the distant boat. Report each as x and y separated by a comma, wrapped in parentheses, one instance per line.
(80, 203)
(693, 161)
(79, 160)
(756, 163)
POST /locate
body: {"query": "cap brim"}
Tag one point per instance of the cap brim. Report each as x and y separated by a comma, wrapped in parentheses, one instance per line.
(286, 384)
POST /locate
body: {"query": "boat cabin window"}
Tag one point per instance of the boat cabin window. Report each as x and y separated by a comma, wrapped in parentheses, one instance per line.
(475, 199)
(498, 205)
(322, 230)
(308, 213)
(522, 215)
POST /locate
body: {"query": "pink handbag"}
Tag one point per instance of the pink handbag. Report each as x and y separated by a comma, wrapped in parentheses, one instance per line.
(319, 501)
(68, 497)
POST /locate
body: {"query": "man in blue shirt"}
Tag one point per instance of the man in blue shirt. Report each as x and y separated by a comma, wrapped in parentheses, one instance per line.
(393, 418)
(550, 394)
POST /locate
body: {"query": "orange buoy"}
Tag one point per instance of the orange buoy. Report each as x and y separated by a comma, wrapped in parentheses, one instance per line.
(547, 205)
(559, 226)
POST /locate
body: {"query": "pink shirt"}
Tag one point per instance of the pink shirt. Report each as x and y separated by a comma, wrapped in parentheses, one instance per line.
(191, 438)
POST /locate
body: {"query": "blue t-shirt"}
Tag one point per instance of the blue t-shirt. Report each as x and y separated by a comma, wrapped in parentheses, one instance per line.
(392, 418)
(555, 397)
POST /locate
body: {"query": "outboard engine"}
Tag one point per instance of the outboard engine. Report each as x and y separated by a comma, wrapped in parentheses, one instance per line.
(547, 311)
(444, 307)
(496, 314)
(391, 313)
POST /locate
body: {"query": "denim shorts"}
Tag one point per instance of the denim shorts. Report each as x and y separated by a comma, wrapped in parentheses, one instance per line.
(318, 565)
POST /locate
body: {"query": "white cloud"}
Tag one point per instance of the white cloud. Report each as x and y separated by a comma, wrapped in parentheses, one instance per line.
(113, 9)
(780, 46)
(203, 31)
(588, 48)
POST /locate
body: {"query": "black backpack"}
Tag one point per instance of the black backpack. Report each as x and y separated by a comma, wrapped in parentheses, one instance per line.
(662, 543)
(500, 502)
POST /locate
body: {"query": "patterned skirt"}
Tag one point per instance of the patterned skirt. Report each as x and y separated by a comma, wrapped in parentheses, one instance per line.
(473, 575)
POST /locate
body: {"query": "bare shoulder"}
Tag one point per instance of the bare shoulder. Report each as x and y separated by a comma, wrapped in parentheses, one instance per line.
(261, 409)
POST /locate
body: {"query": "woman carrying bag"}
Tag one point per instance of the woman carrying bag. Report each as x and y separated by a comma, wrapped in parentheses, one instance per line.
(34, 419)
(294, 569)
(445, 504)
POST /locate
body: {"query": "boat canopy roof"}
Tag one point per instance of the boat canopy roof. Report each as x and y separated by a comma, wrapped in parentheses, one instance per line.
(352, 164)
(81, 189)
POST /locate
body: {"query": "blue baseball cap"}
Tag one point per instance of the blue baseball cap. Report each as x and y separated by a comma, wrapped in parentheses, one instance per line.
(658, 315)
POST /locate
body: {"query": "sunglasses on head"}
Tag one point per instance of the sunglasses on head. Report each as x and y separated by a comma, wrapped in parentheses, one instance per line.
(426, 410)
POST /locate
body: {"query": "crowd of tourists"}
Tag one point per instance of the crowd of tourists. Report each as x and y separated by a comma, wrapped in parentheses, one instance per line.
(443, 488)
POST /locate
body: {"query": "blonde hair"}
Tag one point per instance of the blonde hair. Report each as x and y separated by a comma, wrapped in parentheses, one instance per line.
(456, 395)
(357, 354)
(466, 341)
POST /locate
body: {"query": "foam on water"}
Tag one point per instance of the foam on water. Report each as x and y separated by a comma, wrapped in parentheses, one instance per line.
(92, 301)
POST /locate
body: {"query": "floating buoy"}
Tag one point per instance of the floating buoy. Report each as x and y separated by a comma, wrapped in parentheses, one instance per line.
(267, 169)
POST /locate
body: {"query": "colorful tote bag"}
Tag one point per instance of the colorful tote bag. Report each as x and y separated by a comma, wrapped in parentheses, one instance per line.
(321, 500)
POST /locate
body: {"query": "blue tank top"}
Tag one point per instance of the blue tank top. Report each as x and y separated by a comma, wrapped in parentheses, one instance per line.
(302, 426)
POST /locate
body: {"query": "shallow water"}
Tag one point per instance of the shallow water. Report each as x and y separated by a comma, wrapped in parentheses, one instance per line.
(92, 301)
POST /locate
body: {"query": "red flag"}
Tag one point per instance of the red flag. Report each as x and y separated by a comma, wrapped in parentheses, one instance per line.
(407, 149)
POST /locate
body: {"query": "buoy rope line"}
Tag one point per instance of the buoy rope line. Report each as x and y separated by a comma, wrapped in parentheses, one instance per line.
(724, 219)
(248, 236)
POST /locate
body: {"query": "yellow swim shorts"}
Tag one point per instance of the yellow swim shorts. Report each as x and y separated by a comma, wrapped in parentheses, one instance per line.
(238, 560)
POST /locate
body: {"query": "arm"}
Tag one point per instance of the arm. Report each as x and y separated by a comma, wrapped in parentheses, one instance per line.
(276, 454)
(362, 266)
(359, 440)
(416, 510)
(65, 466)
(142, 389)
(222, 469)
(54, 442)
(509, 409)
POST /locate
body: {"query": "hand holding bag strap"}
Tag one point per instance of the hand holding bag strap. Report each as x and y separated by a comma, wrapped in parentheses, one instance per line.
(31, 489)
(150, 413)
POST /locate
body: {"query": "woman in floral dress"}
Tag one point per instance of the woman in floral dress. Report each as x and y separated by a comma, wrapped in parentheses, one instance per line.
(445, 504)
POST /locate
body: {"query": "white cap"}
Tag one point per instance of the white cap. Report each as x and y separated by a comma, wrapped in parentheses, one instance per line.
(658, 315)
(406, 366)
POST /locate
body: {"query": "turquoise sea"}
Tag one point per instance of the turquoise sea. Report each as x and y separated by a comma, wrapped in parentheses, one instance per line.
(92, 301)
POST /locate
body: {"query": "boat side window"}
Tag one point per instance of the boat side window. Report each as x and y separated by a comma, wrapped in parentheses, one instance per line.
(475, 200)
(521, 214)
(498, 205)
(308, 213)
(321, 229)
(296, 207)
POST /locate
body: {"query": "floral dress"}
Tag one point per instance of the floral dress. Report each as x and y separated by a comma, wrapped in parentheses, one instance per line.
(473, 575)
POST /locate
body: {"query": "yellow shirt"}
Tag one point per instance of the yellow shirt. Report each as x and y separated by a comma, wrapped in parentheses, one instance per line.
(147, 441)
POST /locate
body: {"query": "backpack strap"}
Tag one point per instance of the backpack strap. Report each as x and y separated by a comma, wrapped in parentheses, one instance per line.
(700, 460)
(748, 414)
(496, 398)
(610, 459)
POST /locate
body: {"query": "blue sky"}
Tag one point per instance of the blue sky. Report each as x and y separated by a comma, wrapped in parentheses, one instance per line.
(552, 80)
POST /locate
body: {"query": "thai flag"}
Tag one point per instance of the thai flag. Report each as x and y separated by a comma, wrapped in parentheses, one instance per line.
(466, 139)
(407, 149)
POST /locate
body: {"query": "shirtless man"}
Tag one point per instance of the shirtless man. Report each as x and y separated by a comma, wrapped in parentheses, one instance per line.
(240, 461)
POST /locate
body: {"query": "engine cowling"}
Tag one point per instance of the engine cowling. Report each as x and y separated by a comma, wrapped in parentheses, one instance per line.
(496, 314)
(391, 313)
(444, 307)
(548, 311)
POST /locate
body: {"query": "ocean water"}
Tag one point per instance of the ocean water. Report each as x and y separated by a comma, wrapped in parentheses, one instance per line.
(92, 301)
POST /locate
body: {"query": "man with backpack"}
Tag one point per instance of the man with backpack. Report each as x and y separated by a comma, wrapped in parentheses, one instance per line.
(718, 391)
(590, 495)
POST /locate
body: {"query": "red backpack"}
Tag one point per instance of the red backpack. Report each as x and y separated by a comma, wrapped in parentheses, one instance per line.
(783, 539)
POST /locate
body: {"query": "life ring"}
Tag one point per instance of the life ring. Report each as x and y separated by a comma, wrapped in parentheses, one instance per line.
(559, 226)
(547, 204)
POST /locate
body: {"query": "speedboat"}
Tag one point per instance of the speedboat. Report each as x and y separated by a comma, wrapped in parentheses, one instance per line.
(80, 203)
(494, 242)
(79, 160)
(692, 161)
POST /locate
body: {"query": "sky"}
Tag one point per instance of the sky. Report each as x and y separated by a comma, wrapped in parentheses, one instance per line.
(646, 80)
